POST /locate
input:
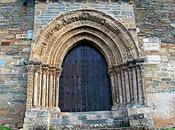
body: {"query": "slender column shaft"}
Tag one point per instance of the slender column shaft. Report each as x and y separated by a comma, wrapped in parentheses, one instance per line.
(123, 86)
(39, 88)
(50, 90)
(135, 85)
(116, 88)
(127, 86)
(35, 89)
(120, 87)
(57, 92)
(140, 85)
(130, 76)
(111, 73)
(47, 89)
(58, 74)
(44, 90)
(53, 90)
(30, 85)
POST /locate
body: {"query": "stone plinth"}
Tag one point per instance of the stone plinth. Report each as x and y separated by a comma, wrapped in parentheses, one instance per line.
(140, 116)
(36, 118)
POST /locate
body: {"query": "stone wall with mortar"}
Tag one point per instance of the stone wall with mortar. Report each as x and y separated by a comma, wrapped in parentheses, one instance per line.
(155, 21)
(16, 25)
(45, 13)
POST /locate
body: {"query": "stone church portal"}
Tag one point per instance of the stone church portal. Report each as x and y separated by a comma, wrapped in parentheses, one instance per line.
(84, 61)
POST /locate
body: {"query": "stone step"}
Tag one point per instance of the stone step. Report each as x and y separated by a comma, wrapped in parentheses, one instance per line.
(123, 128)
(105, 128)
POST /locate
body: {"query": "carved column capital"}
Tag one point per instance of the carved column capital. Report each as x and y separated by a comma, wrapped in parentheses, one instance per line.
(45, 68)
(140, 66)
(111, 71)
(59, 71)
(52, 70)
(117, 69)
(37, 66)
(30, 68)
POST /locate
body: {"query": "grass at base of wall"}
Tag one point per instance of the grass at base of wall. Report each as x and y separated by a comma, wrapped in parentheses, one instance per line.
(169, 129)
(4, 128)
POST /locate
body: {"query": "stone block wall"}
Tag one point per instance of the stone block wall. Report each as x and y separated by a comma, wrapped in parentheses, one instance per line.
(155, 22)
(45, 13)
(156, 18)
(155, 26)
(16, 23)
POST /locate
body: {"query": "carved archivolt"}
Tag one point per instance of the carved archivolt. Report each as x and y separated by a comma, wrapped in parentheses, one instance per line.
(93, 24)
(103, 32)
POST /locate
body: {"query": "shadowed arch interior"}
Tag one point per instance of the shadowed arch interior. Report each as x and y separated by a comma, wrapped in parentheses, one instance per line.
(84, 83)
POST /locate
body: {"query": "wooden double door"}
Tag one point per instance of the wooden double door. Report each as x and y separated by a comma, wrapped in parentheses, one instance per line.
(84, 83)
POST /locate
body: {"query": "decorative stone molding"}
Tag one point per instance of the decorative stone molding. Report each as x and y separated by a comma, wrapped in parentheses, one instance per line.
(109, 36)
(116, 37)
(129, 85)
(43, 85)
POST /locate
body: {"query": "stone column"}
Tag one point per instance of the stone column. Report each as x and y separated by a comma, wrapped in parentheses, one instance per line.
(119, 83)
(35, 87)
(135, 85)
(116, 87)
(124, 85)
(44, 85)
(40, 80)
(51, 83)
(54, 87)
(112, 74)
(140, 84)
(47, 86)
(127, 87)
(30, 85)
(130, 76)
(121, 86)
(58, 74)
(43, 95)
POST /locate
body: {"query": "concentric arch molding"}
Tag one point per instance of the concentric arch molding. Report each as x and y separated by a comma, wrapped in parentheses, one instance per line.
(102, 28)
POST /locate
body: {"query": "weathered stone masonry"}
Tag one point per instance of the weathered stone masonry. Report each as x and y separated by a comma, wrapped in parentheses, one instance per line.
(151, 25)
(112, 39)
(15, 44)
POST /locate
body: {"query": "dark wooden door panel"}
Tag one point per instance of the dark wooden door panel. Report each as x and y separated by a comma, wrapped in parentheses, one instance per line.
(84, 83)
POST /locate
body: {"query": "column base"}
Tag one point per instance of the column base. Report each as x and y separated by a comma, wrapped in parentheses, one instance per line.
(119, 111)
(140, 116)
(55, 112)
(36, 118)
(56, 109)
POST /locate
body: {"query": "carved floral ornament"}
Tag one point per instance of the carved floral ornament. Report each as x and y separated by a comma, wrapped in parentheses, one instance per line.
(118, 31)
